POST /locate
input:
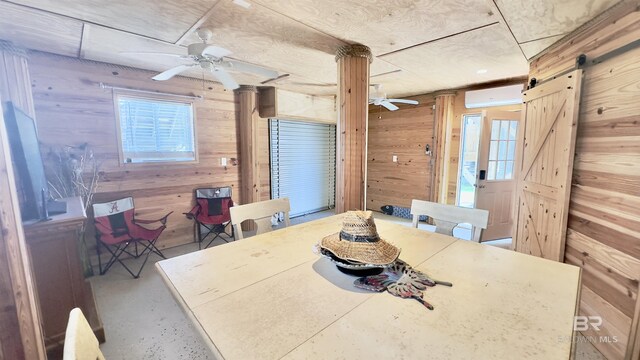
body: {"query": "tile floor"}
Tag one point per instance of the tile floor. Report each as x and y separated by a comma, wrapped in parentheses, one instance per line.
(142, 321)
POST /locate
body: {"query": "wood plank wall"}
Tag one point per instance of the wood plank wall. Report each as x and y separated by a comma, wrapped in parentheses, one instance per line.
(603, 235)
(72, 109)
(404, 133)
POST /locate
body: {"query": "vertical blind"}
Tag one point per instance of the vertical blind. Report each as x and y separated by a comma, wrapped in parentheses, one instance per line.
(156, 130)
(303, 164)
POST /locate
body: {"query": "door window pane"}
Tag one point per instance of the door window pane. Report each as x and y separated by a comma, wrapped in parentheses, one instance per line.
(511, 151)
(500, 170)
(502, 152)
(491, 171)
(495, 129)
(508, 174)
(502, 149)
(493, 150)
(513, 130)
(504, 129)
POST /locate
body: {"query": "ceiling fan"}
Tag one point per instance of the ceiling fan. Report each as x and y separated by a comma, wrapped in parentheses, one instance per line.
(381, 99)
(211, 58)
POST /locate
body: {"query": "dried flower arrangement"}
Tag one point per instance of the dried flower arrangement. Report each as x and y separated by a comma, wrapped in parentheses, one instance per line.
(74, 171)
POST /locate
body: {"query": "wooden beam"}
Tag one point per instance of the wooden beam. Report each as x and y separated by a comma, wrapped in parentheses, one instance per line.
(20, 333)
(249, 146)
(353, 115)
(443, 121)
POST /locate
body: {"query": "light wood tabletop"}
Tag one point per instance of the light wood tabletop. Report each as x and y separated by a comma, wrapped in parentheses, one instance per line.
(271, 297)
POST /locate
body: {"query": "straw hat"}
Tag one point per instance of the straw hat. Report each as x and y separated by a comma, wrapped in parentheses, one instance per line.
(359, 241)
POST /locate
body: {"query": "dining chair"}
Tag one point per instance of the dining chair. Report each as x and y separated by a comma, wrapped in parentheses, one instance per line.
(446, 217)
(80, 343)
(261, 213)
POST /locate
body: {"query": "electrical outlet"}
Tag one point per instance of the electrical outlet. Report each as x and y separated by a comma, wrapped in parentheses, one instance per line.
(395, 158)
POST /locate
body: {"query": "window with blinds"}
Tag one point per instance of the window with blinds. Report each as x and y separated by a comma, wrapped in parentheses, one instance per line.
(153, 130)
(303, 164)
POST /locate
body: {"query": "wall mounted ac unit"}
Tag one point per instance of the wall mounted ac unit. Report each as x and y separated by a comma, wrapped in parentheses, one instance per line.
(504, 95)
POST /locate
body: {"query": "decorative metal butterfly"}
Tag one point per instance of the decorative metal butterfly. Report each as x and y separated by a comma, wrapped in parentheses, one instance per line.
(401, 280)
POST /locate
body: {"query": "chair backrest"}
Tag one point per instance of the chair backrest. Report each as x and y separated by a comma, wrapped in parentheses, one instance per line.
(446, 217)
(213, 205)
(80, 343)
(113, 219)
(260, 212)
(212, 193)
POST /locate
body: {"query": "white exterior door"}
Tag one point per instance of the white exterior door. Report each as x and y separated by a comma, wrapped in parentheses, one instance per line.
(496, 182)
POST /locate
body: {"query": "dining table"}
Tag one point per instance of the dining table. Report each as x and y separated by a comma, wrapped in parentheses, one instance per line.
(271, 296)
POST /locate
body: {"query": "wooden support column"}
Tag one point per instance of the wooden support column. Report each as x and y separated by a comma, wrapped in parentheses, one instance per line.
(353, 116)
(20, 333)
(443, 120)
(249, 149)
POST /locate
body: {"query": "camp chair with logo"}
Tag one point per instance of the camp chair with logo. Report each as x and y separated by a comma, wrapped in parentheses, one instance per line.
(117, 230)
(211, 213)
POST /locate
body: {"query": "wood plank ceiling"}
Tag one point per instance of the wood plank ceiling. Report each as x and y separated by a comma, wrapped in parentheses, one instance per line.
(419, 45)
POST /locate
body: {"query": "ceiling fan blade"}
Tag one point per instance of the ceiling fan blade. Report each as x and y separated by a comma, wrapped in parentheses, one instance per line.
(389, 105)
(166, 75)
(216, 51)
(225, 78)
(250, 68)
(403, 101)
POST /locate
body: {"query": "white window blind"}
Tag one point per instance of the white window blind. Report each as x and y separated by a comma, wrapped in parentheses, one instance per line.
(154, 130)
(303, 164)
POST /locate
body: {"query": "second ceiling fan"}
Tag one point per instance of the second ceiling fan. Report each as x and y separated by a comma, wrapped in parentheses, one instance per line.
(210, 58)
(381, 99)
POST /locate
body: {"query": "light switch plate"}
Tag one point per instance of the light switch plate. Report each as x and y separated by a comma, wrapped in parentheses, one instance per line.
(395, 158)
(223, 161)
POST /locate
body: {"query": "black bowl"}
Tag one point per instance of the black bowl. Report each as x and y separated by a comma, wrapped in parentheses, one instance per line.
(360, 272)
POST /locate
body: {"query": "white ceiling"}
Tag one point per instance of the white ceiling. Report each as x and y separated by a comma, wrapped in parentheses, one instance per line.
(435, 44)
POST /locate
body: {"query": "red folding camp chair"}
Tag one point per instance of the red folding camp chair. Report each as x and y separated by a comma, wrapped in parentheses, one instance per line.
(211, 213)
(117, 229)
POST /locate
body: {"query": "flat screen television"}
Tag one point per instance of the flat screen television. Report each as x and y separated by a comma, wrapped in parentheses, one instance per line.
(33, 192)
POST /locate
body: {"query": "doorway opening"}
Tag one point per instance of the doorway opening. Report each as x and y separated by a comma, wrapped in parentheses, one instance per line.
(303, 165)
(467, 172)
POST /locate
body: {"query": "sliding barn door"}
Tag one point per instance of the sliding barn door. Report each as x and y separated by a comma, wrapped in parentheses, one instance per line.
(548, 136)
